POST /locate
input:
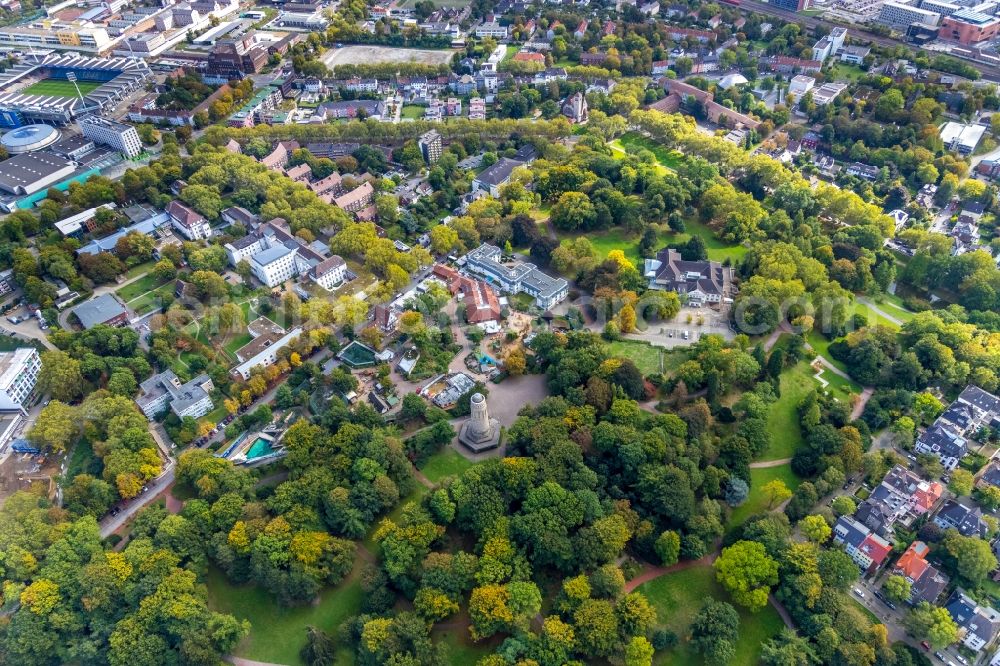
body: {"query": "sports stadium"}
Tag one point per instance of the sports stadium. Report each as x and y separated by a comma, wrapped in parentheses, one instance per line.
(41, 89)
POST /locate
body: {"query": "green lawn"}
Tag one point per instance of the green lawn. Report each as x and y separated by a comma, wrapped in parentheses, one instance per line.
(844, 72)
(82, 461)
(873, 317)
(646, 357)
(412, 111)
(61, 88)
(279, 633)
(617, 239)
(151, 300)
(821, 345)
(215, 416)
(237, 342)
(621, 150)
(447, 462)
(783, 417)
(894, 305)
(679, 596)
(139, 269)
(632, 142)
(840, 388)
(132, 290)
(757, 503)
(718, 249)
(461, 649)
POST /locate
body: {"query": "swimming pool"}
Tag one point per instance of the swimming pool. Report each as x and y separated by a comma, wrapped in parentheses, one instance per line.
(260, 448)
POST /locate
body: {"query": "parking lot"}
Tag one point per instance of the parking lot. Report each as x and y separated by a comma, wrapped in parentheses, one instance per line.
(686, 328)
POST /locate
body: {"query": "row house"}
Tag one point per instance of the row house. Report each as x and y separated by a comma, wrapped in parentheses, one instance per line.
(967, 521)
(973, 410)
(477, 109)
(867, 549)
(926, 582)
(977, 625)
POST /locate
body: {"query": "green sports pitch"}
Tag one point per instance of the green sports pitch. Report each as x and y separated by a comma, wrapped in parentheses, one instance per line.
(59, 88)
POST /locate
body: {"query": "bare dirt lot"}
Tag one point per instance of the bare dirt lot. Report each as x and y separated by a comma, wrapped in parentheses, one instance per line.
(365, 55)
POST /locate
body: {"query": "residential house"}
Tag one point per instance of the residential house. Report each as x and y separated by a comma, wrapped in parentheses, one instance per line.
(547, 76)
(977, 625)
(789, 65)
(189, 223)
(357, 199)
(386, 319)
(968, 521)
(868, 550)
(477, 109)
(481, 303)
(973, 410)
(904, 496)
(863, 171)
(697, 282)
(241, 216)
(926, 582)
(301, 173)
(329, 273)
(263, 350)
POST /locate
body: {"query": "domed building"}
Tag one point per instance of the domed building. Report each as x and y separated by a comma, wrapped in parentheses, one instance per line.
(29, 138)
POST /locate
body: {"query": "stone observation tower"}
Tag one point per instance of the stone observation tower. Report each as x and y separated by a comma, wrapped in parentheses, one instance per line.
(480, 432)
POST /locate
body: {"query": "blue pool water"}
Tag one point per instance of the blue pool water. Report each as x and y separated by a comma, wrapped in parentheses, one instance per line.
(259, 449)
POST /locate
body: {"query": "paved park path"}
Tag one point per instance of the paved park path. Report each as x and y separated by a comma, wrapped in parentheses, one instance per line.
(651, 572)
(770, 463)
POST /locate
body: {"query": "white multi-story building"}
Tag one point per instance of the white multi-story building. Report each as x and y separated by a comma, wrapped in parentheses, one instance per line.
(800, 85)
(264, 354)
(494, 30)
(18, 373)
(189, 223)
(165, 390)
(82, 36)
(516, 276)
(123, 138)
(329, 273)
(274, 265)
(830, 44)
(275, 256)
(899, 14)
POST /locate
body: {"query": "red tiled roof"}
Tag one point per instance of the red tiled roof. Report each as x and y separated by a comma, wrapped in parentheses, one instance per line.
(876, 548)
(912, 563)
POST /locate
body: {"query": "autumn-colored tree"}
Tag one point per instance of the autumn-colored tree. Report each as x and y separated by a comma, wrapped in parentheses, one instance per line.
(514, 362)
(433, 604)
(776, 492)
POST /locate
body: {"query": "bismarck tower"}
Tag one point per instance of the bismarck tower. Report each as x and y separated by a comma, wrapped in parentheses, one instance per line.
(480, 432)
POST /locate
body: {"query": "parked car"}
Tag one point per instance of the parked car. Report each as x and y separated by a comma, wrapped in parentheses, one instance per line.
(858, 593)
(925, 645)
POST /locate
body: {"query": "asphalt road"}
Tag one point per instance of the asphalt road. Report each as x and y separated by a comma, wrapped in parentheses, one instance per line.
(155, 487)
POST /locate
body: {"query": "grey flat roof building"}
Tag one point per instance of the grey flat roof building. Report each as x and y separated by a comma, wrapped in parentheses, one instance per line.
(30, 172)
(104, 309)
